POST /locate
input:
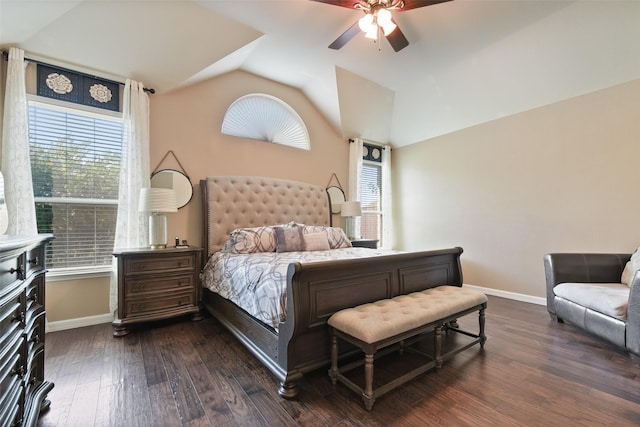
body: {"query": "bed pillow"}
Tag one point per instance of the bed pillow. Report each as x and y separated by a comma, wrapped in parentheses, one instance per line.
(289, 239)
(316, 241)
(251, 240)
(336, 236)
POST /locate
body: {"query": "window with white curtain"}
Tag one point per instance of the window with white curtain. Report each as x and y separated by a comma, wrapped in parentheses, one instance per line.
(75, 165)
(371, 193)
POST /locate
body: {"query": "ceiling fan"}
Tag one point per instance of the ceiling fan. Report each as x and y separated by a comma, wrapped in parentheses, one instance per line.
(377, 20)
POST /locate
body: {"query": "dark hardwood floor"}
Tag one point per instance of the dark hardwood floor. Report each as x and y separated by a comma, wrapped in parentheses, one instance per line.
(532, 372)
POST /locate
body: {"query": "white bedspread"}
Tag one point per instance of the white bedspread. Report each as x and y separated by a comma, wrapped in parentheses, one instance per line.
(258, 282)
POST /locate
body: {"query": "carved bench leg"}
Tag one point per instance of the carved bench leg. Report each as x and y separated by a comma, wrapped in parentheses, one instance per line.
(367, 395)
(437, 338)
(333, 372)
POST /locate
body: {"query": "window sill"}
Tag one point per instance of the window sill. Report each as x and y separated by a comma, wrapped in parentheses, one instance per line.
(65, 274)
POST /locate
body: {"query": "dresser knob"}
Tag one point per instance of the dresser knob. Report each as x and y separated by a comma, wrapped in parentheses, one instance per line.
(18, 317)
(34, 261)
(35, 339)
(15, 270)
(34, 297)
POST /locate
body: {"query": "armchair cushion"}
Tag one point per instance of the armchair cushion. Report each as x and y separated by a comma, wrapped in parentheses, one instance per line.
(630, 268)
(606, 298)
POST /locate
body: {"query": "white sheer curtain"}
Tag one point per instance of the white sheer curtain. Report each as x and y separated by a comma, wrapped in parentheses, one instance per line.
(387, 199)
(134, 175)
(355, 176)
(16, 164)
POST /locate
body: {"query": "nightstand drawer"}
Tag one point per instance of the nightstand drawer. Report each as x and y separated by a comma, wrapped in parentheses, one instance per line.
(141, 307)
(143, 285)
(159, 263)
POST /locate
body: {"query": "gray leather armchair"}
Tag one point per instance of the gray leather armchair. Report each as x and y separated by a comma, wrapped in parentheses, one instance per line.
(585, 290)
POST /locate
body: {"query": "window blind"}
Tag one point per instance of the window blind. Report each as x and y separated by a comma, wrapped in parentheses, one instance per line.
(75, 166)
(370, 200)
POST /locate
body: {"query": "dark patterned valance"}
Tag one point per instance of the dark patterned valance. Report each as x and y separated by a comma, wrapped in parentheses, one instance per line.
(70, 86)
(372, 152)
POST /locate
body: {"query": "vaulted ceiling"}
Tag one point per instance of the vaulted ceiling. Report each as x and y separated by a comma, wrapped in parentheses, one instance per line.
(468, 61)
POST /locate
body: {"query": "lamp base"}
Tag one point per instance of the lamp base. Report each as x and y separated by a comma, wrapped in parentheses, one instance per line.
(158, 233)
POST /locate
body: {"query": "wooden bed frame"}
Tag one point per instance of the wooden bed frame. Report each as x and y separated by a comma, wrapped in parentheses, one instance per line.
(314, 291)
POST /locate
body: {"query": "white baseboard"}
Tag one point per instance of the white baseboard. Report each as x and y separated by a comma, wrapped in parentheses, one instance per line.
(510, 295)
(62, 325)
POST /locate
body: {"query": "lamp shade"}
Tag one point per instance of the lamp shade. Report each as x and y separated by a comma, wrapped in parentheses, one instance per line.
(351, 208)
(157, 200)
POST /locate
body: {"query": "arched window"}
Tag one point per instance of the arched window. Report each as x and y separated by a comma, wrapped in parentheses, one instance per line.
(265, 118)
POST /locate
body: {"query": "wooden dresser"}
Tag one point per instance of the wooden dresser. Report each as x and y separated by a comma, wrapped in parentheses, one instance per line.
(23, 389)
(156, 284)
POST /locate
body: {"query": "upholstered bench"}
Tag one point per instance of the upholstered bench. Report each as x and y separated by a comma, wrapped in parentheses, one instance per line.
(386, 322)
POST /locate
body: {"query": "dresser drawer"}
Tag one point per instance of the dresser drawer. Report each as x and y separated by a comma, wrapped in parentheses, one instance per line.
(11, 271)
(11, 318)
(143, 285)
(145, 306)
(10, 360)
(35, 260)
(12, 392)
(159, 263)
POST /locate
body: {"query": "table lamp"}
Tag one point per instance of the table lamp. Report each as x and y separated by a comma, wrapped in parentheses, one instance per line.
(350, 210)
(157, 201)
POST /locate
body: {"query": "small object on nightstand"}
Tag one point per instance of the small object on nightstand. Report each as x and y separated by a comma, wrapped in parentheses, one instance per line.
(365, 243)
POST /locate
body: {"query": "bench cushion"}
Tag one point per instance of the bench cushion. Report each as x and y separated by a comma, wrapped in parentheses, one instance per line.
(382, 319)
(606, 298)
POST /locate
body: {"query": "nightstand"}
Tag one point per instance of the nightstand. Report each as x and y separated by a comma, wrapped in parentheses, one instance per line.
(365, 243)
(156, 284)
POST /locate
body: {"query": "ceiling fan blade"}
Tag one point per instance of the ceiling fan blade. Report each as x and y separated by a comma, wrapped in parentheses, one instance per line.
(397, 40)
(345, 37)
(342, 3)
(414, 4)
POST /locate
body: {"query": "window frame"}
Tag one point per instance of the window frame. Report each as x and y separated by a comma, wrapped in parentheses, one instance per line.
(84, 272)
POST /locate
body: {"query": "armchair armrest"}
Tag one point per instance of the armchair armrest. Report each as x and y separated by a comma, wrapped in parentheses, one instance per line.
(581, 268)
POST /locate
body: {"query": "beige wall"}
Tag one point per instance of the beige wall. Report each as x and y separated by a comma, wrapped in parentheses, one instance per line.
(558, 178)
(188, 121)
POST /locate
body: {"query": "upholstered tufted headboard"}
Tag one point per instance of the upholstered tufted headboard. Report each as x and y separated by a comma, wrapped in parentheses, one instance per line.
(231, 202)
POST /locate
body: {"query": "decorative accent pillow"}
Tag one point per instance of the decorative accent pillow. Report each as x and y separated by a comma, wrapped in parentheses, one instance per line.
(336, 236)
(630, 268)
(289, 239)
(251, 240)
(316, 241)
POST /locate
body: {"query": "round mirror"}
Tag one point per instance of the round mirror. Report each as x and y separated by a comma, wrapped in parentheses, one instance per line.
(336, 197)
(174, 180)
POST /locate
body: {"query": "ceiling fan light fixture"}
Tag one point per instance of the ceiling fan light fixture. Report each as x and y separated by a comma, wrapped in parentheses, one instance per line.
(385, 22)
(366, 23)
(372, 33)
